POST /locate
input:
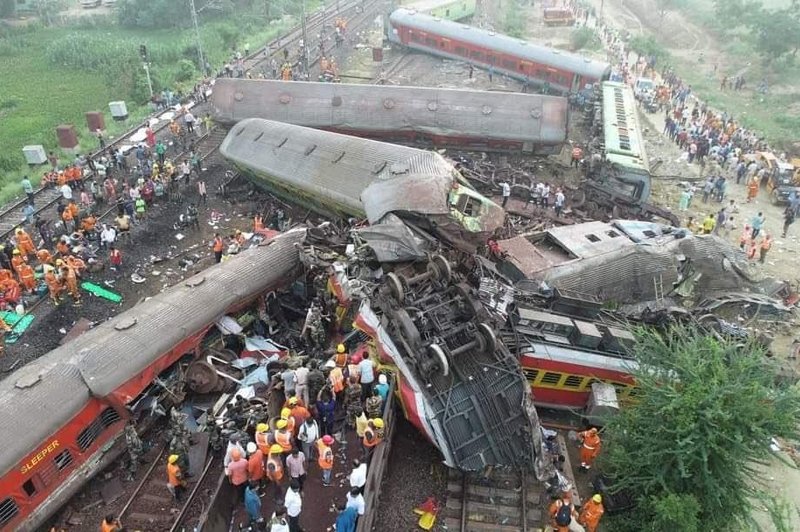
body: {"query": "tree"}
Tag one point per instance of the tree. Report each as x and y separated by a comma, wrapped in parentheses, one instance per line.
(7, 8)
(776, 32)
(688, 447)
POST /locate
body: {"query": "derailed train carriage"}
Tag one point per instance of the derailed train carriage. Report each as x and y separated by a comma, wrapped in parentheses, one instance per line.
(417, 116)
(349, 176)
(60, 415)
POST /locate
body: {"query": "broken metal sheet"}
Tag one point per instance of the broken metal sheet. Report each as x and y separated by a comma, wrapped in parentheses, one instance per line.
(419, 193)
(751, 305)
(228, 325)
(392, 241)
(258, 376)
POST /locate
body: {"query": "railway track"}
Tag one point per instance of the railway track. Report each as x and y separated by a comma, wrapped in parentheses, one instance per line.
(144, 509)
(505, 502)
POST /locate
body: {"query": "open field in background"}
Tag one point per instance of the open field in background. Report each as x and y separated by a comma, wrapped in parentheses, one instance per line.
(37, 94)
(696, 43)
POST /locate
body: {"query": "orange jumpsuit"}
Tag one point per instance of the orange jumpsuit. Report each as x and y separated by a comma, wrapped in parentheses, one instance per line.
(752, 189)
(76, 264)
(16, 262)
(6, 274)
(590, 515)
(71, 280)
(44, 256)
(27, 277)
(24, 243)
(590, 447)
(11, 291)
(73, 208)
(53, 285)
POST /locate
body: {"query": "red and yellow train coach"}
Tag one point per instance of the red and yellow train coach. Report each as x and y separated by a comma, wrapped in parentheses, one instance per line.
(562, 71)
(61, 414)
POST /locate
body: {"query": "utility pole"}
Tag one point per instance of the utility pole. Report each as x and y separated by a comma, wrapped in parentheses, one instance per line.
(197, 35)
(143, 53)
(304, 59)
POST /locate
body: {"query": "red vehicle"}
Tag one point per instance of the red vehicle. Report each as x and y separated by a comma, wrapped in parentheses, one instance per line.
(61, 414)
(562, 71)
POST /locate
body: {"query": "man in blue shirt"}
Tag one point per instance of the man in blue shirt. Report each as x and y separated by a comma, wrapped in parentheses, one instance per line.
(383, 387)
(252, 503)
(346, 520)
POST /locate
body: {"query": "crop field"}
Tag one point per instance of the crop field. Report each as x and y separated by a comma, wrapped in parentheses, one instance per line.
(52, 76)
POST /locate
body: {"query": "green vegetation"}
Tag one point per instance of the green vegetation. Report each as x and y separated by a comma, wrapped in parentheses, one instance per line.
(513, 22)
(53, 75)
(584, 39)
(689, 448)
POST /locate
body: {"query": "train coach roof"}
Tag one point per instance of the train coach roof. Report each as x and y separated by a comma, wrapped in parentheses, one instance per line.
(378, 176)
(502, 43)
(451, 112)
(45, 394)
(35, 401)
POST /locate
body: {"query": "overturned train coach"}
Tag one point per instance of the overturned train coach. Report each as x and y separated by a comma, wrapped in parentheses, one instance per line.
(417, 116)
(342, 175)
(61, 414)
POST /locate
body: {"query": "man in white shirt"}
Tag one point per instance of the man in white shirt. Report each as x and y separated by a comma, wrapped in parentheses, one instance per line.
(506, 192)
(308, 433)
(66, 192)
(278, 522)
(559, 204)
(356, 501)
(294, 505)
(107, 236)
(358, 476)
(301, 384)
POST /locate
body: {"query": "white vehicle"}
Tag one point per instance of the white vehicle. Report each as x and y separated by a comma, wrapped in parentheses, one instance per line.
(643, 87)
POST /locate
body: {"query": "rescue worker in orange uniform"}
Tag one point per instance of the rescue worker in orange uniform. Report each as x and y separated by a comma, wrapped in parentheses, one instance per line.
(341, 356)
(70, 278)
(53, 284)
(291, 424)
(110, 524)
(325, 459)
(591, 513)
(299, 412)
(275, 469)
(76, 264)
(88, 223)
(27, 277)
(24, 242)
(371, 438)
(752, 189)
(218, 246)
(6, 274)
(17, 260)
(258, 223)
(44, 257)
(255, 463)
(590, 447)
(283, 436)
(175, 482)
(239, 238)
(11, 291)
(562, 513)
(263, 438)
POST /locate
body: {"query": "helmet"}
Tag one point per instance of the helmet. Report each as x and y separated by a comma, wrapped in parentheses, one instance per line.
(593, 430)
(172, 458)
(262, 427)
(236, 454)
(378, 422)
(275, 449)
(382, 379)
(285, 413)
(327, 439)
(597, 498)
(16, 252)
(59, 262)
(251, 447)
(340, 348)
(281, 424)
(18, 230)
(293, 401)
(238, 231)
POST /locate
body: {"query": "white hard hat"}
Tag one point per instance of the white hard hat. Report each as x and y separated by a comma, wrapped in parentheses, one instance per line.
(251, 447)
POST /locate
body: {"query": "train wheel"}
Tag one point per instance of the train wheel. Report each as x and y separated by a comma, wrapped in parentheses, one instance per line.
(396, 286)
(443, 265)
(408, 330)
(437, 354)
(201, 377)
(489, 339)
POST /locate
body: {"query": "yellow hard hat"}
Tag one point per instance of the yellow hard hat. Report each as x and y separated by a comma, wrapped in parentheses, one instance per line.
(18, 230)
(293, 400)
(285, 413)
(597, 498)
(59, 262)
(262, 427)
(340, 348)
(16, 252)
(281, 424)
(275, 449)
(378, 422)
(172, 458)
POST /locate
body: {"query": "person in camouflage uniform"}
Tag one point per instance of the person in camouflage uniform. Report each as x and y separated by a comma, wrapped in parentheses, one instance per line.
(215, 442)
(135, 449)
(316, 380)
(352, 400)
(179, 445)
(374, 404)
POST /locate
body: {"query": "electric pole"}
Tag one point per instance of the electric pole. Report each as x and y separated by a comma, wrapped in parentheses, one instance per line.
(143, 53)
(304, 51)
(197, 35)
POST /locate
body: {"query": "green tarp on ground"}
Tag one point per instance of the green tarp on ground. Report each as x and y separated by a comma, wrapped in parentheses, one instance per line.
(99, 291)
(17, 323)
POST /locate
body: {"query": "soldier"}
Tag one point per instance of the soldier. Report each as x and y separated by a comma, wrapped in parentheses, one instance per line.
(316, 380)
(135, 449)
(215, 434)
(179, 446)
(373, 405)
(352, 400)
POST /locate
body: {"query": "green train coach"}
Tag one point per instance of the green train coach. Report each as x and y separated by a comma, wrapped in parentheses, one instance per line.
(445, 9)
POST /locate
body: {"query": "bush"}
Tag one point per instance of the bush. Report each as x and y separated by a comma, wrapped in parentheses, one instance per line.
(186, 70)
(583, 38)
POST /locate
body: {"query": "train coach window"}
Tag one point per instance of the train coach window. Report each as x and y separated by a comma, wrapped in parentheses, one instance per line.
(87, 436)
(475, 54)
(573, 381)
(460, 50)
(109, 416)
(30, 489)
(430, 42)
(508, 64)
(63, 459)
(551, 378)
(8, 510)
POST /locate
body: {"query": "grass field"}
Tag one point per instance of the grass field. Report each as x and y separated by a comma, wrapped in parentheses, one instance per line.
(775, 114)
(37, 95)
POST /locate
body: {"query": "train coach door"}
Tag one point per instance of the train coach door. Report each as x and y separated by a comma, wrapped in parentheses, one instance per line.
(576, 83)
(445, 44)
